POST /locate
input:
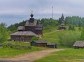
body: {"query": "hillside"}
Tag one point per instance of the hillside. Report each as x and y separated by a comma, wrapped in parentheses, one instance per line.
(63, 38)
(51, 34)
(48, 24)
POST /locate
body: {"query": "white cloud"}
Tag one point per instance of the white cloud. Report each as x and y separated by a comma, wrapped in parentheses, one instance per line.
(41, 6)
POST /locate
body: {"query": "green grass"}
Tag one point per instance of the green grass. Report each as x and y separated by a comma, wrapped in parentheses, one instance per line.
(51, 36)
(10, 52)
(17, 43)
(65, 37)
(68, 55)
(6, 52)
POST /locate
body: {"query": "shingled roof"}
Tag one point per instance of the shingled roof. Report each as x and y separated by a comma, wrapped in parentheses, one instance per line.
(79, 44)
(21, 28)
(41, 41)
(31, 24)
(25, 33)
(51, 43)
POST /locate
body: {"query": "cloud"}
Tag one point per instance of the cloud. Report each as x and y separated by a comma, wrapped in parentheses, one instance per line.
(40, 6)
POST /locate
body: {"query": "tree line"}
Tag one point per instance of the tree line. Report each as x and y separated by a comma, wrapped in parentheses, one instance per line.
(48, 24)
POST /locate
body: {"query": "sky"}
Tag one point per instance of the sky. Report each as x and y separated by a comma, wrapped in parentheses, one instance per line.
(40, 9)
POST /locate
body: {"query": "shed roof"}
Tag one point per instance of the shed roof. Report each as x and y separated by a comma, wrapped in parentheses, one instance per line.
(31, 24)
(79, 43)
(41, 41)
(21, 28)
(51, 43)
(25, 33)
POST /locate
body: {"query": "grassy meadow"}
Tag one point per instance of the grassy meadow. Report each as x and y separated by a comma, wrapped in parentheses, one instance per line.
(68, 55)
(63, 38)
(6, 51)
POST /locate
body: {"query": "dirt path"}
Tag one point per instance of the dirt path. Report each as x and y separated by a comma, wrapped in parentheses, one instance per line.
(31, 57)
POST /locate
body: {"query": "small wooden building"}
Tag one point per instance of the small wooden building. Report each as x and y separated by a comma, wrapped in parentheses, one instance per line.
(43, 43)
(62, 27)
(51, 45)
(40, 43)
(61, 23)
(78, 44)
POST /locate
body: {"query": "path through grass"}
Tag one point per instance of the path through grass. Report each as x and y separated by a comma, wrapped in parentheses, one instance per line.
(68, 55)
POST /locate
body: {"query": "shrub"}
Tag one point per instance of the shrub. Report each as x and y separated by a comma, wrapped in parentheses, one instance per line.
(67, 38)
(82, 34)
(71, 27)
(16, 45)
(35, 38)
(4, 34)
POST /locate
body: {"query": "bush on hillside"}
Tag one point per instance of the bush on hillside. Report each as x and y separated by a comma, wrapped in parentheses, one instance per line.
(4, 35)
(67, 38)
(17, 45)
(71, 27)
(82, 34)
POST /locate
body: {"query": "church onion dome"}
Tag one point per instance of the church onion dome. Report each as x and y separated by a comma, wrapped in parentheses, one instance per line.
(31, 15)
(21, 28)
(31, 21)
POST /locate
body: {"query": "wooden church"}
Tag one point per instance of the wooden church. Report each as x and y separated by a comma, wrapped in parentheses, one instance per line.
(61, 23)
(32, 28)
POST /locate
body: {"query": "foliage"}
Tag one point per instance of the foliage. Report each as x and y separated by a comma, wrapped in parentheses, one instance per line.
(4, 33)
(35, 38)
(67, 38)
(63, 38)
(71, 27)
(82, 34)
(74, 21)
(17, 45)
(13, 27)
(48, 22)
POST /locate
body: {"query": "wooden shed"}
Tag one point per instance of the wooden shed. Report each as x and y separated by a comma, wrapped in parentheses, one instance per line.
(40, 43)
(51, 45)
(62, 27)
(78, 44)
(43, 43)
